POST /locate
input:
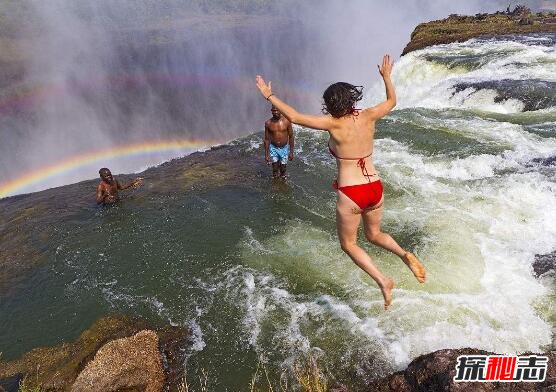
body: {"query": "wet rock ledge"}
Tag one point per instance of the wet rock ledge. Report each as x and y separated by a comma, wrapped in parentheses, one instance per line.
(116, 353)
(459, 28)
(124, 354)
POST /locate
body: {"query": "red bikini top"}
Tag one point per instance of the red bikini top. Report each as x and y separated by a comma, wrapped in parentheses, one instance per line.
(360, 162)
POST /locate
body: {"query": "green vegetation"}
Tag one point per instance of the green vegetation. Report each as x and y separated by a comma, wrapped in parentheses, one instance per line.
(307, 377)
(26, 386)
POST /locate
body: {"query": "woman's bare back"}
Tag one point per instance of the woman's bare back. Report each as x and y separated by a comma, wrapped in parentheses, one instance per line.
(353, 137)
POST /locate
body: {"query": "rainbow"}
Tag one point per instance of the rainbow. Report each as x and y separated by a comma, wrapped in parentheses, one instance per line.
(11, 186)
(32, 95)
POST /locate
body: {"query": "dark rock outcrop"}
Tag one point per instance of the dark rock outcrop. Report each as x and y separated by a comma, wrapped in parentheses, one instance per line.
(9, 384)
(57, 368)
(459, 28)
(544, 263)
(435, 372)
(550, 161)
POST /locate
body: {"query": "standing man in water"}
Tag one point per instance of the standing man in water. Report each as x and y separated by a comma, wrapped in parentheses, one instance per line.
(107, 190)
(278, 142)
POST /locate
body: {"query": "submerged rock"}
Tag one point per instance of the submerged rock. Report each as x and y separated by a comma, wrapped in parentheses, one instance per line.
(544, 263)
(458, 28)
(550, 161)
(534, 93)
(435, 372)
(116, 352)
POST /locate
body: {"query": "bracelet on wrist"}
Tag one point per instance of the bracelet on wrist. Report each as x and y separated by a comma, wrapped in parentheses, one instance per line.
(267, 98)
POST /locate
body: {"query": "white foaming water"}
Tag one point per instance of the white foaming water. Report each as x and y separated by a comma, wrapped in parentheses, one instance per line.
(479, 277)
(278, 321)
(426, 78)
(196, 336)
(479, 220)
(500, 221)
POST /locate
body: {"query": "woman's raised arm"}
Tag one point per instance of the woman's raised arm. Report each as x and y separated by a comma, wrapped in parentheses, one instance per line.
(307, 120)
(383, 108)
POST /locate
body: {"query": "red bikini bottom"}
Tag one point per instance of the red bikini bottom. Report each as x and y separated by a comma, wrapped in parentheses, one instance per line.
(366, 195)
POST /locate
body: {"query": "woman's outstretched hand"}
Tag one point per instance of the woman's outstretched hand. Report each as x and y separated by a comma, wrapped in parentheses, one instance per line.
(386, 68)
(265, 89)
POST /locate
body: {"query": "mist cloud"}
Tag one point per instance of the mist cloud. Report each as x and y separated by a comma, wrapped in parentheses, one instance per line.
(106, 73)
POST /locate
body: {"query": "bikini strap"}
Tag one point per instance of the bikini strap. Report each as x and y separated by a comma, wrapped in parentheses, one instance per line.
(360, 162)
(349, 159)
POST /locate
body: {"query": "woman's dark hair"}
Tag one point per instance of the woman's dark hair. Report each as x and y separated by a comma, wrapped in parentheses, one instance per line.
(340, 98)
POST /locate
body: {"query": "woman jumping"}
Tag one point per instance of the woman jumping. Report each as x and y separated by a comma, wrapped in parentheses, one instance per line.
(359, 187)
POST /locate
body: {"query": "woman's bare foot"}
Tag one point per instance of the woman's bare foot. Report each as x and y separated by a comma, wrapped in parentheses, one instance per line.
(386, 289)
(415, 266)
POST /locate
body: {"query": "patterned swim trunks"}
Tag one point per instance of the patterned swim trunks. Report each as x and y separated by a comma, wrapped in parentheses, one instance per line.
(279, 154)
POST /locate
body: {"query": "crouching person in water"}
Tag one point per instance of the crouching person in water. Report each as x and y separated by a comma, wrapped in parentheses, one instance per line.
(107, 190)
(278, 142)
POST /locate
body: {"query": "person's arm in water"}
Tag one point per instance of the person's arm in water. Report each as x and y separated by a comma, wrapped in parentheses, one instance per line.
(266, 144)
(100, 194)
(137, 181)
(383, 108)
(307, 120)
(290, 138)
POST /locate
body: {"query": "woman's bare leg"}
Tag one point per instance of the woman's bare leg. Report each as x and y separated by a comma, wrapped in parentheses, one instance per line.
(371, 222)
(347, 223)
